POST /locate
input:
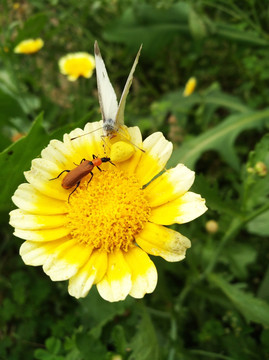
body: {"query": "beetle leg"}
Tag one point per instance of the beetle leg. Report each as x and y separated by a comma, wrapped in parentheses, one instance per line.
(94, 156)
(73, 190)
(99, 168)
(82, 161)
(90, 179)
(112, 163)
(60, 174)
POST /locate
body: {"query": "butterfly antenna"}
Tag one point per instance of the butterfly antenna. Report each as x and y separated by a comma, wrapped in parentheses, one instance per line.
(132, 142)
(86, 133)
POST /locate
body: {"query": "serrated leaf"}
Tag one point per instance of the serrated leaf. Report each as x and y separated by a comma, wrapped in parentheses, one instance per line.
(145, 345)
(253, 309)
(214, 197)
(221, 139)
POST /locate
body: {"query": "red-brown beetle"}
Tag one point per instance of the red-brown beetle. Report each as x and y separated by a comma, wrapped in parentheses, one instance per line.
(75, 175)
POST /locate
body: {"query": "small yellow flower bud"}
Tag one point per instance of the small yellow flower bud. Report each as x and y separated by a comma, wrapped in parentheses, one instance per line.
(116, 357)
(121, 151)
(261, 169)
(212, 226)
(190, 87)
(29, 46)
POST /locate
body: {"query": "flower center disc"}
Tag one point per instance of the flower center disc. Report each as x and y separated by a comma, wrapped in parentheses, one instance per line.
(109, 213)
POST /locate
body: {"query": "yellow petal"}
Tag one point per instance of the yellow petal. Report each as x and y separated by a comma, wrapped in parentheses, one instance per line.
(29, 46)
(157, 152)
(66, 260)
(42, 235)
(77, 64)
(21, 219)
(36, 253)
(91, 273)
(62, 154)
(160, 241)
(182, 210)
(91, 143)
(190, 87)
(40, 175)
(144, 273)
(116, 284)
(170, 185)
(29, 199)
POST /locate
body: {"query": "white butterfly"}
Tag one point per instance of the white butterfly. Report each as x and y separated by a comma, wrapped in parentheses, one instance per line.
(112, 113)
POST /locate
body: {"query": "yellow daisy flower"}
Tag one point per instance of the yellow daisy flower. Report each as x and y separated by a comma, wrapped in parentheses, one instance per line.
(190, 87)
(29, 46)
(106, 230)
(77, 64)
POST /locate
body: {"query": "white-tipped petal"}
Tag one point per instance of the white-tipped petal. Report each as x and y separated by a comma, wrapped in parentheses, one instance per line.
(117, 283)
(184, 209)
(160, 241)
(66, 260)
(172, 184)
(91, 273)
(29, 199)
(144, 273)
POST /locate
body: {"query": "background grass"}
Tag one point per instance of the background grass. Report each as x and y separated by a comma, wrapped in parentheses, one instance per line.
(212, 305)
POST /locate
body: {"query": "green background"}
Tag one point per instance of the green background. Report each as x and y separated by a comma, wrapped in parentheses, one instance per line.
(212, 305)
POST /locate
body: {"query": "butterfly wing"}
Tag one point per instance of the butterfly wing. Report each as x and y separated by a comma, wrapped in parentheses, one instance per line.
(120, 113)
(107, 96)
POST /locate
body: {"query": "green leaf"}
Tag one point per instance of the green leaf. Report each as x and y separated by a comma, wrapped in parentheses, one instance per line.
(253, 309)
(256, 182)
(10, 107)
(32, 27)
(221, 139)
(197, 25)
(152, 27)
(210, 96)
(144, 344)
(90, 348)
(215, 200)
(107, 311)
(233, 33)
(259, 225)
(239, 257)
(263, 291)
(18, 156)
(53, 345)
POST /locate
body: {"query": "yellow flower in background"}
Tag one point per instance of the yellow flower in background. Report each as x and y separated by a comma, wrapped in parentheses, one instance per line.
(76, 65)
(29, 46)
(104, 234)
(190, 87)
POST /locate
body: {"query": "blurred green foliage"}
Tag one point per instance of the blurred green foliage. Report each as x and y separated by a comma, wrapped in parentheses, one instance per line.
(214, 304)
